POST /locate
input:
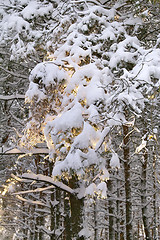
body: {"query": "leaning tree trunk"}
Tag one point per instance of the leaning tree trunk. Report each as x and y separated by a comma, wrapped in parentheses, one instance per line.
(76, 206)
(126, 156)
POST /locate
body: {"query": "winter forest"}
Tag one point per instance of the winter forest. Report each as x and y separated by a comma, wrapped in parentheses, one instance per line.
(79, 120)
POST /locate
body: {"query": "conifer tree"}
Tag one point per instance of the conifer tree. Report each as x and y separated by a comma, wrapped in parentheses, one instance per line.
(97, 72)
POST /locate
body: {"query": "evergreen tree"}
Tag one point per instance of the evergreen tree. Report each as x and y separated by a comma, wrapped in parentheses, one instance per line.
(97, 76)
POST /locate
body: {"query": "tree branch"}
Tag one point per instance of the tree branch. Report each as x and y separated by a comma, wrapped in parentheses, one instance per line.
(49, 180)
(11, 97)
(14, 74)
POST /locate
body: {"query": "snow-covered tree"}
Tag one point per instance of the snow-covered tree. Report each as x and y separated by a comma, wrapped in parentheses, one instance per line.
(97, 82)
(98, 71)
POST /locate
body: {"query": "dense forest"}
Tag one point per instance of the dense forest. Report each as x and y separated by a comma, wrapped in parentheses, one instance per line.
(79, 120)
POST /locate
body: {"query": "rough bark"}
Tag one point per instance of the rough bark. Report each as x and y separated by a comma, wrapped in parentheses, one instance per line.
(111, 211)
(95, 220)
(143, 198)
(154, 199)
(120, 212)
(52, 225)
(126, 156)
(67, 222)
(76, 206)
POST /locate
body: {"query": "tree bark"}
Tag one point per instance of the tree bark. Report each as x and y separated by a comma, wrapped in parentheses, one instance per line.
(76, 206)
(111, 211)
(67, 221)
(95, 219)
(143, 198)
(120, 211)
(154, 199)
(126, 156)
(52, 226)
(52, 212)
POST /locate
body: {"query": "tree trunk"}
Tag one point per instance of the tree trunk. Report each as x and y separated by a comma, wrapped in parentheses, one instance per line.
(154, 198)
(52, 226)
(76, 206)
(95, 219)
(111, 211)
(126, 156)
(24, 221)
(120, 211)
(40, 219)
(143, 198)
(67, 221)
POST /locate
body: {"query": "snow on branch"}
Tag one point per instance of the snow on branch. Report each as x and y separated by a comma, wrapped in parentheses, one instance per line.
(31, 201)
(49, 180)
(12, 97)
(49, 232)
(18, 150)
(14, 74)
(33, 191)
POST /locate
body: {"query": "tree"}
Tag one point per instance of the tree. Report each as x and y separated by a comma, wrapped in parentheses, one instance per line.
(91, 89)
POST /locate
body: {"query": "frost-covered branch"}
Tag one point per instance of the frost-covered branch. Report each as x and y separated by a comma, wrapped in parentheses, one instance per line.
(12, 97)
(18, 150)
(13, 73)
(29, 201)
(32, 191)
(49, 180)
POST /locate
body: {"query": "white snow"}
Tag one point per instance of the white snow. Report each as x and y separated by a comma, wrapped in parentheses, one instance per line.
(34, 9)
(16, 23)
(114, 162)
(88, 137)
(102, 189)
(68, 120)
(141, 146)
(91, 189)
(40, 177)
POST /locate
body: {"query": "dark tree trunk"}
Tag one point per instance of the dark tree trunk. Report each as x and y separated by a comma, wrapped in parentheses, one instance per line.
(126, 156)
(143, 198)
(95, 219)
(154, 199)
(120, 211)
(40, 220)
(52, 210)
(67, 220)
(52, 227)
(111, 210)
(76, 206)
(24, 221)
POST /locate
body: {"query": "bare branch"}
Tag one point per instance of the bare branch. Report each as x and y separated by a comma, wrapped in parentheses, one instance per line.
(49, 180)
(12, 97)
(14, 74)
(18, 150)
(33, 191)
